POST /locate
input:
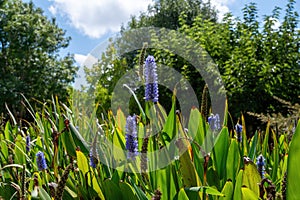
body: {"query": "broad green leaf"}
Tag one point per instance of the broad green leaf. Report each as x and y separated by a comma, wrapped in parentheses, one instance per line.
(251, 177)
(220, 152)
(8, 133)
(127, 191)
(119, 139)
(164, 181)
(96, 186)
(233, 160)
(162, 111)
(195, 126)
(212, 177)
(248, 194)
(68, 143)
(170, 125)
(70, 192)
(293, 175)
(4, 148)
(83, 166)
(227, 191)
(111, 190)
(78, 139)
(82, 162)
(187, 168)
(237, 195)
(20, 157)
(182, 195)
(43, 194)
(120, 120)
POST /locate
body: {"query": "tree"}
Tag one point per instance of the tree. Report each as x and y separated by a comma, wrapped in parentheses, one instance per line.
(257, 61)
(29, 56)
(165, 14)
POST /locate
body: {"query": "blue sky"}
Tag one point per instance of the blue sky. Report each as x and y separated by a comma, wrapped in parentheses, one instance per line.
(94, 21)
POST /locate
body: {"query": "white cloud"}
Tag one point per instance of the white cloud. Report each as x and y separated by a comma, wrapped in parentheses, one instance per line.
(221, 6)
(95, 18)
(98, 17)
(79, 58)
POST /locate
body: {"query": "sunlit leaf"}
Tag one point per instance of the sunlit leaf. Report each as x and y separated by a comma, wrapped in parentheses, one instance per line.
(227, 191)
(237, 195)
(251, 177)
(248, 194)
(293, 175)
(220, 152)
(233, 160)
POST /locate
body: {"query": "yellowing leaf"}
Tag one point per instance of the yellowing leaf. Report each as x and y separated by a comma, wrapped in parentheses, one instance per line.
(251, 177)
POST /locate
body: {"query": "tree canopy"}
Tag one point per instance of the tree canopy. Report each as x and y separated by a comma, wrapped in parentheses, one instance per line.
(29, 55)
(257, 60)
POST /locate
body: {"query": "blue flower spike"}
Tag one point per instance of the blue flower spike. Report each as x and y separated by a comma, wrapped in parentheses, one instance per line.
(151, 84)
(131, 137)
(41, 161)
(260, 163)
(214, 122)
(239, 130)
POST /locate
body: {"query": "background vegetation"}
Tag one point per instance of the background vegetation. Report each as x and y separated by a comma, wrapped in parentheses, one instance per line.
(258, 59)
(29, 57)
(259, 64)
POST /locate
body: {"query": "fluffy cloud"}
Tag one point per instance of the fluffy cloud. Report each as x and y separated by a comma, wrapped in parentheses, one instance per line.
(221, 6)
(98, 17)
(80, 59)
(95, 18)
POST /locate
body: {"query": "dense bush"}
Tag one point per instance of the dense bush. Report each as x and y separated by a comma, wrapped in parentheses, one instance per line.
(257, 60)
(29, 56)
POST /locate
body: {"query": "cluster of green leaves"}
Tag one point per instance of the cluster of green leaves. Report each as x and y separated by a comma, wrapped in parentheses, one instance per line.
(29, 56)
(257, 59)
(226, 172)
(104, 75)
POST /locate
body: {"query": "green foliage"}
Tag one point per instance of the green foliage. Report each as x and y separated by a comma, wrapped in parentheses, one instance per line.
(166, 13)
(257, 59)
(29, 59)
(254, 58)
(188, 169)
(292, 171)
(112, 66)
(225, 173)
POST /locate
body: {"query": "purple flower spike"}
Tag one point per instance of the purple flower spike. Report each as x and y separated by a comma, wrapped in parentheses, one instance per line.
(239, 129)
(260, 163)
(151, 88)
(93, 160)
(41, 161)
(27, 143)
(131, 137)
(214, 122)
